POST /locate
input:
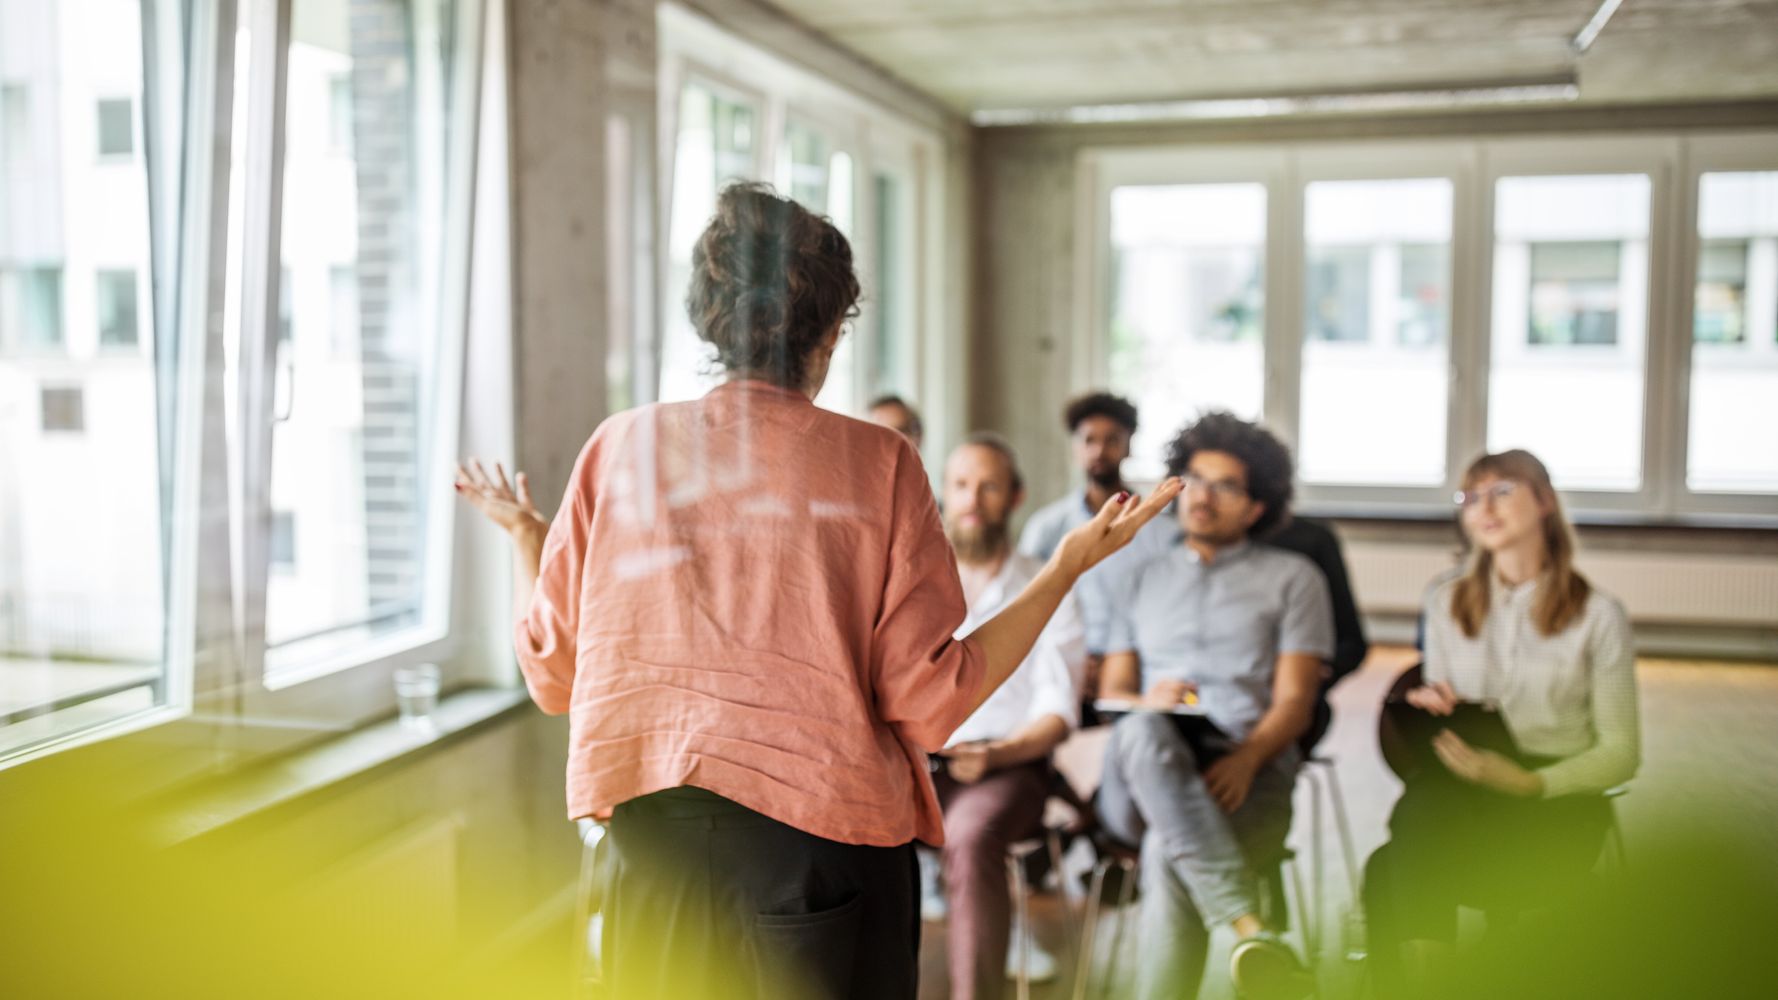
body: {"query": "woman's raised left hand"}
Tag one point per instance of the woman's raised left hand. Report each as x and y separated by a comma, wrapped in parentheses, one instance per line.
(1112, 528)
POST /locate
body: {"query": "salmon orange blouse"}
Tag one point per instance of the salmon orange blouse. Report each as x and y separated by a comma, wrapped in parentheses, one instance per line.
(753, 595)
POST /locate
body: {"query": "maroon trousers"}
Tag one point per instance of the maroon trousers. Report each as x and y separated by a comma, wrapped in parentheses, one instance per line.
(981, 821)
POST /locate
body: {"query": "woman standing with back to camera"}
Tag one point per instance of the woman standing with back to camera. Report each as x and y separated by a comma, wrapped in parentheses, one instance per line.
(745, 603)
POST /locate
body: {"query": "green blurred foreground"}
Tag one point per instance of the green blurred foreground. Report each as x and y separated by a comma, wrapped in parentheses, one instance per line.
(95, 907)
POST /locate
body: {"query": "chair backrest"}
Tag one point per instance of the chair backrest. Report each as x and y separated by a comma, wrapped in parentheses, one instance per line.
(1320, 544)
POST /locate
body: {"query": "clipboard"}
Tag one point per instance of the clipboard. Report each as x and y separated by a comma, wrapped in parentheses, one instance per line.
(1407, 732)
(1206, 739)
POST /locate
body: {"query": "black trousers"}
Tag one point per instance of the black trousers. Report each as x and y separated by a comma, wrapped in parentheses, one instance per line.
(1453, 844)
(706, 898)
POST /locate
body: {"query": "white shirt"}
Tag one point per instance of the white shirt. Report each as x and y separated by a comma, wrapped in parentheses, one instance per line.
(1570, 695)
(1049, 680)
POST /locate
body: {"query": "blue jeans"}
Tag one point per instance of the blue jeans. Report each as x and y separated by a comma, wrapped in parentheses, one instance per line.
(1197, 861)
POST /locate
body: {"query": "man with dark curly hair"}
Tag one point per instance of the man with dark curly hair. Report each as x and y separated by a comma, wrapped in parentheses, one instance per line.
(1234, 633)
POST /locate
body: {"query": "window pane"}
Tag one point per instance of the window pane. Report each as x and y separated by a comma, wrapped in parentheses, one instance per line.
(361, 247)
(1570, 322)
(116, 120)
(1375, 321)
(31, 307)
(80, 518)
(840, 392)
(1574, 294)
(116, 308)
(803, 167)
(1187, 306)
(1734, 396)
(891, 297)
(715, 146)
(1719, 312)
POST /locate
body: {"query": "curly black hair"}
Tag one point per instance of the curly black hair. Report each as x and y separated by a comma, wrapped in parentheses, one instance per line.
(769, 280)
(1270, 471)
(1100, 404)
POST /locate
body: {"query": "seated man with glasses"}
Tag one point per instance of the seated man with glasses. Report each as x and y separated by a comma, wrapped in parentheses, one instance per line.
(1239, 631)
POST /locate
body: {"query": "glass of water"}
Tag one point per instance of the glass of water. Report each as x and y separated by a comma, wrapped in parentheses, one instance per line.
(416, 693)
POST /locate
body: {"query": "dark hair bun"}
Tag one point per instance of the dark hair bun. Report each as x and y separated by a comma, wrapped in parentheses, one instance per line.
(769, 279)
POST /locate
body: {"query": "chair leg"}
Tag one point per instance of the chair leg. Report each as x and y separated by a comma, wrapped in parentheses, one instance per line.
(1053, 840)
(1620, 855)
(1352, 927)
(1022, 906)
(1311, 935)
(586, 969)
(1313, 906)
(1343, 827)
(1089, 918)
(1125, 893)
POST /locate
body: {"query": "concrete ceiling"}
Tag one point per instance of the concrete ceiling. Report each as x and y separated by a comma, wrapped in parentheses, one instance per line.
(981, 55)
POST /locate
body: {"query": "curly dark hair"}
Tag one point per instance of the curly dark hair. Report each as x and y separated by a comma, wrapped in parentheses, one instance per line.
(1100, 404)
(769, 279)
(1270, 471)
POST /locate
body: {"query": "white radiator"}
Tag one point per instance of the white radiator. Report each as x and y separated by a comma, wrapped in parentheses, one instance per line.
(1664, 588)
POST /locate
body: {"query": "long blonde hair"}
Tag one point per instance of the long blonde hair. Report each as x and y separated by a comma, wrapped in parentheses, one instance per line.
(1563, 591)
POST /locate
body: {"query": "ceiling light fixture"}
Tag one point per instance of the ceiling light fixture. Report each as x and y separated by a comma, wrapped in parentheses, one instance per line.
(1590, 33)
(1221, 109)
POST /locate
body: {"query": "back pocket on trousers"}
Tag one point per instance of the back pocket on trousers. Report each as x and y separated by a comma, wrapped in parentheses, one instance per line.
(807, 956)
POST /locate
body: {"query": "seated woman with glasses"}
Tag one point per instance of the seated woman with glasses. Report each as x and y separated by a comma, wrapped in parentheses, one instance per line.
(1536, 666)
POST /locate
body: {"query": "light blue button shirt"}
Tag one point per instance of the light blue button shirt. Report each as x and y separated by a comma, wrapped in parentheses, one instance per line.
(1222, 625)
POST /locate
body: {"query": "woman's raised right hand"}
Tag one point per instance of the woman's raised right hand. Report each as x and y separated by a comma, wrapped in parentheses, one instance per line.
(509, 508)
(1112, 528)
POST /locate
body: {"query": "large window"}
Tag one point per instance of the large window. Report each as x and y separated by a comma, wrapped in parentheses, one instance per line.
(738, 112)
(1733, 447)
(296, 461)
(360, 273)
(1187, 304)
(819, 176)
(82, 559)
(890, 297)
(1376, 313)
(1570, 320)
(1447, 297)
(716, 145)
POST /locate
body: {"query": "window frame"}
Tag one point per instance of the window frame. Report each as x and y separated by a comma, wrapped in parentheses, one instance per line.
(1103, 171)
(214, 702)
(1700, 155)
(186, 127)
(1673, 164)
(695, 50)
(355, 684)
(1656, 157)
(883, 158)
(678, 71)
(1450, 161)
